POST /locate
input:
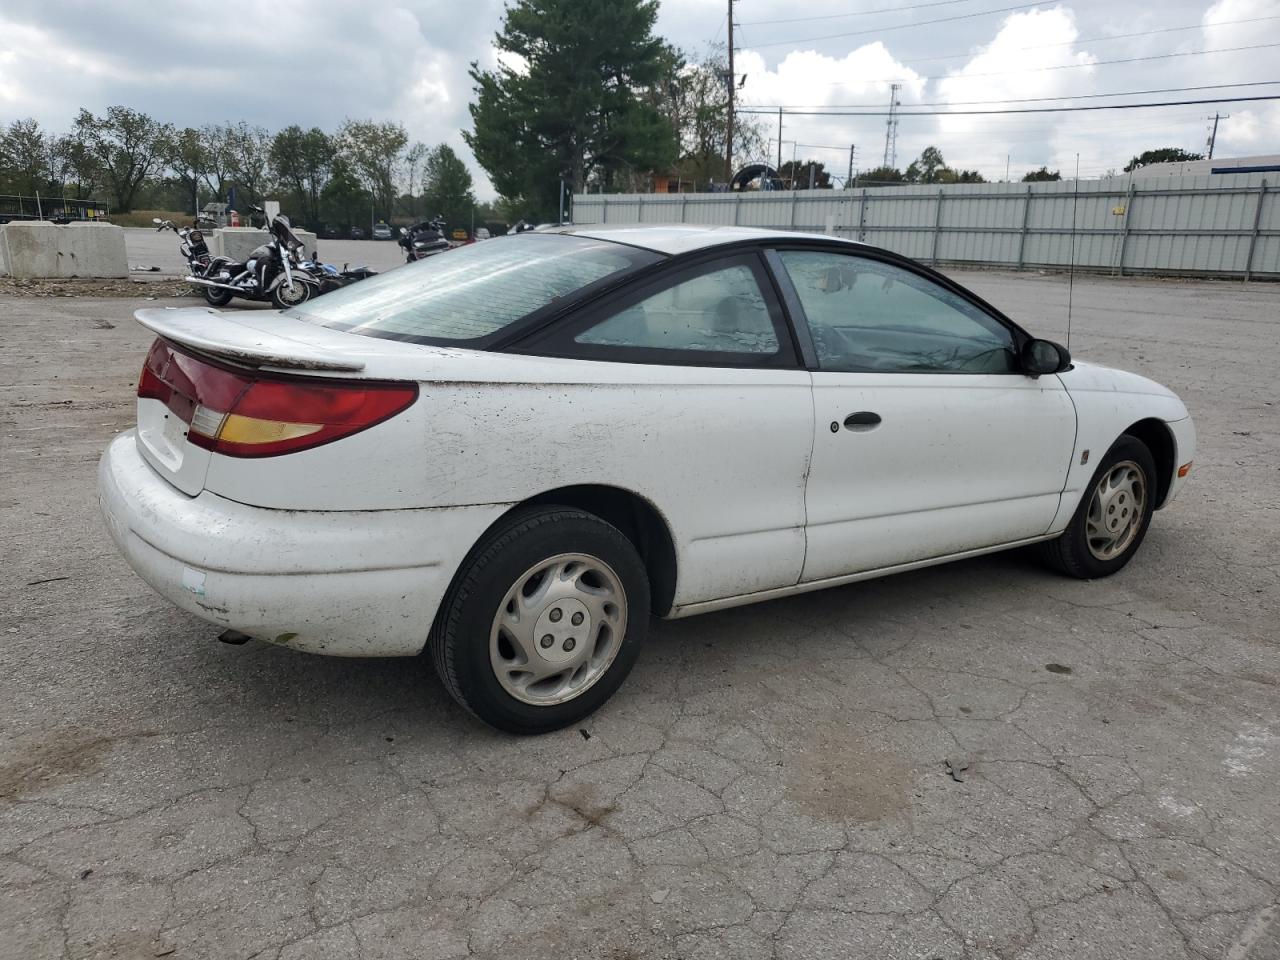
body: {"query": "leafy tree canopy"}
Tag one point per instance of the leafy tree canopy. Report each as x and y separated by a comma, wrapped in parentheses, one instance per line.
(1162, 155)
(129, 147)
(374, 150)
(302, 160)
(447, 188)
(1036, 176)
(795, 174)
(571, 99)
(882, 175)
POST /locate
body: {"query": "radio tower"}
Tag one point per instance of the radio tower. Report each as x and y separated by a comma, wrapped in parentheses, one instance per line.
(891, 133)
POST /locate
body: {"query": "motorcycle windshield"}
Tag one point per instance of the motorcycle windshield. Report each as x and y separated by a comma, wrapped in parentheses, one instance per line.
(283, 231)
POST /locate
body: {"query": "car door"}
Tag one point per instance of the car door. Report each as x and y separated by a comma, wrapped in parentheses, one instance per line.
(714, 422)
(928, 441)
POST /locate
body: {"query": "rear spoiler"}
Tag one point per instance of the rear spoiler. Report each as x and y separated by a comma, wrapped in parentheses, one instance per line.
(251, 341)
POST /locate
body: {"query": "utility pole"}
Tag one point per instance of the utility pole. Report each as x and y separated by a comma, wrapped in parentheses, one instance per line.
(891, 131)
(1213, 134)
(848, 182)
(733, 88)
(778, 168)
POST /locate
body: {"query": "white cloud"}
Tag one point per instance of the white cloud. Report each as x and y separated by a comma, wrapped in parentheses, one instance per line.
(811, 79)
(407, 60)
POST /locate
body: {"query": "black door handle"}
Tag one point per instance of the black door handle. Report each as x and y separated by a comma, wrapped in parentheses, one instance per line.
(862, 420)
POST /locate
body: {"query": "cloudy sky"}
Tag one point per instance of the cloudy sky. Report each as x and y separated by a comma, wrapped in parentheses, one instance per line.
(407, 60)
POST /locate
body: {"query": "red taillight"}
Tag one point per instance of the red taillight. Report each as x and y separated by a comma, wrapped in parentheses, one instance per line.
(244, 413)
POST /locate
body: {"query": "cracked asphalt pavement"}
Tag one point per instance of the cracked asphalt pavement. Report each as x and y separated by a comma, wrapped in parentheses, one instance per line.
(981, 760)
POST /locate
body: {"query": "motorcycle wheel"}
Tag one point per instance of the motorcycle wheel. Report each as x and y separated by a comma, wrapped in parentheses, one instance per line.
(217, 298)
(285, 295)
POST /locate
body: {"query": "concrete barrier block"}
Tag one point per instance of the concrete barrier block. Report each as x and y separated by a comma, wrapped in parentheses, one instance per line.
(238, 242)
(37, 248)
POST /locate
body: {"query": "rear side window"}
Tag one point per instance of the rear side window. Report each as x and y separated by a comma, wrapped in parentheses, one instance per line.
(717, 313)
(472, 293)
(723, 311)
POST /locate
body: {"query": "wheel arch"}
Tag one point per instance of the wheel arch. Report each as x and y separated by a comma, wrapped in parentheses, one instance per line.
(638, 518)
(1158, 438)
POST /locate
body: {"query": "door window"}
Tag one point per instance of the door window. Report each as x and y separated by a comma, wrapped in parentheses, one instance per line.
(869, 316)
(709, 313)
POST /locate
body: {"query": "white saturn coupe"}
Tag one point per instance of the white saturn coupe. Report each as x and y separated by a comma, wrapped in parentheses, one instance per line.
(514, 454)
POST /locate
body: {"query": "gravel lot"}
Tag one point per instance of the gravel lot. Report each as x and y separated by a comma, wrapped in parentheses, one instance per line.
(770, 782)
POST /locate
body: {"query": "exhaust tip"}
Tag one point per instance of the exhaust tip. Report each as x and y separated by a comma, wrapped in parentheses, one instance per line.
(234, 637)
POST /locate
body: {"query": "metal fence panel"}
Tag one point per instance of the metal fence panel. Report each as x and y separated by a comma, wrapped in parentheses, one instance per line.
(1220, 224)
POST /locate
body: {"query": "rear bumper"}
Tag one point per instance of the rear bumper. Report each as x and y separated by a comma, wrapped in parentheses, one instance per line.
(343, 583)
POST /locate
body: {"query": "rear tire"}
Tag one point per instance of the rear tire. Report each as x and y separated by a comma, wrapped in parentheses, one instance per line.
(551, 589)
(1112, 518)
(217, 298)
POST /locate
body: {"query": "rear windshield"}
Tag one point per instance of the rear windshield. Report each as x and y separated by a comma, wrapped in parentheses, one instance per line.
(470, 293)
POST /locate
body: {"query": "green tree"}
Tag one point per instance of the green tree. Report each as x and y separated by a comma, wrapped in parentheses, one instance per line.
(414, 158)
(447, 187)
(926, 169)
(187, 160)
(302, 160)
(75, 168)
(948, 175)
(795, 174)
(579, 107)
(879, 175)
(27, 159)
(1043, 174)
(693, 96)
(129, 147)
(215, 138)
(248, 149)
(1161, 155)
(375, 152)
(344, 201)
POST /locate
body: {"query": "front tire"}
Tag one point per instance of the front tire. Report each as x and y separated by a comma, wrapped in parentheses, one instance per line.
(544, 620)
(285, 295)
(1113, 516)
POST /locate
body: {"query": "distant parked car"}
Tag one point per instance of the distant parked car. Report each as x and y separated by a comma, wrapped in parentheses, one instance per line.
(357, 233)
(511, 455)
(482, 233)
(382, 231)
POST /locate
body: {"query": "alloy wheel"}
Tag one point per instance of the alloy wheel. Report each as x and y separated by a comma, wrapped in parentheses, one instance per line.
(1116, 510)
(558, 629)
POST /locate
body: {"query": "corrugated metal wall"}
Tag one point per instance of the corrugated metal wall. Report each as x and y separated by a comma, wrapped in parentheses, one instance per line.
(1220, 224)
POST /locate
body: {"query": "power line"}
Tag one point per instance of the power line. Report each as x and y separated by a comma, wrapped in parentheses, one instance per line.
(1068, 43)
(1072, 66)
(1073, 96)
(1106, 63)
(902, 26)
(856, 13)
(836, 112)
(716, 38)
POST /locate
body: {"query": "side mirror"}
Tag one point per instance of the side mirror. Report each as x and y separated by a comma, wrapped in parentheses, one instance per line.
(404, 231)
(1040, 357)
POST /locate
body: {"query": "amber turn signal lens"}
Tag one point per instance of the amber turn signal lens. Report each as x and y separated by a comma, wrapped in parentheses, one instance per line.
(1184, 470)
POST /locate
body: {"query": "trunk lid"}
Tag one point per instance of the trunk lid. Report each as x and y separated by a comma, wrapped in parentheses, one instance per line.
(259, 340)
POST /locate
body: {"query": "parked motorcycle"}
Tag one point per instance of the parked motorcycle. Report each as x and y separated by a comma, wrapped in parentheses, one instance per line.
(272, 271)
(330, 278)
(424, 239)
(192, 246)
